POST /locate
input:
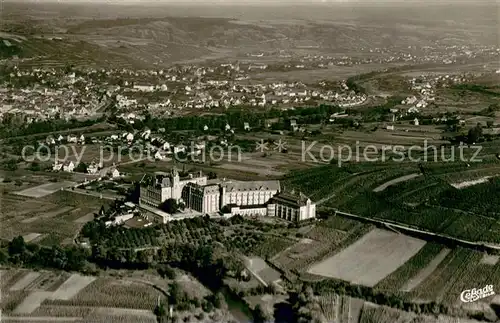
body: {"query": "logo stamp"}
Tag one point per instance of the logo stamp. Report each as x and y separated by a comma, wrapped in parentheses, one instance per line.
(472, 295)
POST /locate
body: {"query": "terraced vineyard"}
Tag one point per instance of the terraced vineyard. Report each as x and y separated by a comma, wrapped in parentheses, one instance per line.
(419, 261)
(440, 285)
(329, 304)
(426, 202)
(324, 241)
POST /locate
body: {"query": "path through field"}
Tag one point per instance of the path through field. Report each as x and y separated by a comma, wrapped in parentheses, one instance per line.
(396, 181)
(74, 284)
(426, 272)
(25, 281)
(31, 302)
(370, 259)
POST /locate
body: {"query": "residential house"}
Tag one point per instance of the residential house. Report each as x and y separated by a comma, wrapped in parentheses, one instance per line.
(180, 148)
(57, 166)
(114, 173)
(413, 110)
(50, 140)
(160, 155)
(146, 134)
(71, 139)
(68, 166)
(92, 168)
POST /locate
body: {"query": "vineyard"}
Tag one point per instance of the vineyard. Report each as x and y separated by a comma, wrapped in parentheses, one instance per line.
(108, 292)
(323, 241)
(317, 182)
(480, 199)
(376, 314)
(50, 220)
(419, 261)
(427, 202)
(441, 285)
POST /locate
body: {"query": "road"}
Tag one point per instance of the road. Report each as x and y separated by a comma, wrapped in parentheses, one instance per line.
(396, 181)
(104, 171)
(95, 194)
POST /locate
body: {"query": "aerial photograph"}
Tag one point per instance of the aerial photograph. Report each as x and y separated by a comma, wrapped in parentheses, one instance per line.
(239, 161)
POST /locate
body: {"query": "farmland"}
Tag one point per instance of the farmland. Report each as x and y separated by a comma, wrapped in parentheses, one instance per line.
(58, 296)
(321, 240)
(38, 218)
(370, 259)
(428, 202)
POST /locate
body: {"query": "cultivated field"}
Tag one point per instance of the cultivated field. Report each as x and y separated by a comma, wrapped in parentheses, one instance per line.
(426, 272)
(321, 240)
(259, 267)
(61, 297)
(45, 189)
(50, 220)
(370, 259)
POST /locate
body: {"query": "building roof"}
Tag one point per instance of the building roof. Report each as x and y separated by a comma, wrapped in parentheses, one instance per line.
(290, 198)
(205, 189)
(211, 189)
(238, 186)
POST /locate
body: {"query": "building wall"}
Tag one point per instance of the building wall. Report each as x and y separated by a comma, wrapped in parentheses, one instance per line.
(178, 185)
(198, 199)
(211, 203)
(245, 198)
(153, 214)
(153, 196)
(150, 196)
(287, 212)
(258, 211)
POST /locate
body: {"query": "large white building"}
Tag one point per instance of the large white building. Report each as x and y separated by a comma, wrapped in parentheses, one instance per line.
(156, 189)
(252, 198)
(246, 198)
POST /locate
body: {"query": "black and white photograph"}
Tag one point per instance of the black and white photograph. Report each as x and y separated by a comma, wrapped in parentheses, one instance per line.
(249, 161)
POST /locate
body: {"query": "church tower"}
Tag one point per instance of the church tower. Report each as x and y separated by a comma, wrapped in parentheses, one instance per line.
(176, 185)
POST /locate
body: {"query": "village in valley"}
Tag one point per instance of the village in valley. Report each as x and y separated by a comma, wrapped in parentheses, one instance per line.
(164, 165)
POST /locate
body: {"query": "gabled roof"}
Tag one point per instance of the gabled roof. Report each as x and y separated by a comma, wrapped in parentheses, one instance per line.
(235, 186)
(290, 198)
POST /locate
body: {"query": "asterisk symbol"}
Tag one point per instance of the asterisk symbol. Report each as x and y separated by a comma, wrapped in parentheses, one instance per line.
(261, 146)
(280, 146)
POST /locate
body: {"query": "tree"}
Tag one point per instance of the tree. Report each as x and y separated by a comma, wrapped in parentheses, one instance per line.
(81, 168)
(17, 246)
(160, 310)
(219, 300)
(35, 166)
(167, 272)
(10, 165)
(175, 294)
(170, 206)
(475, 134)
(260, 315)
